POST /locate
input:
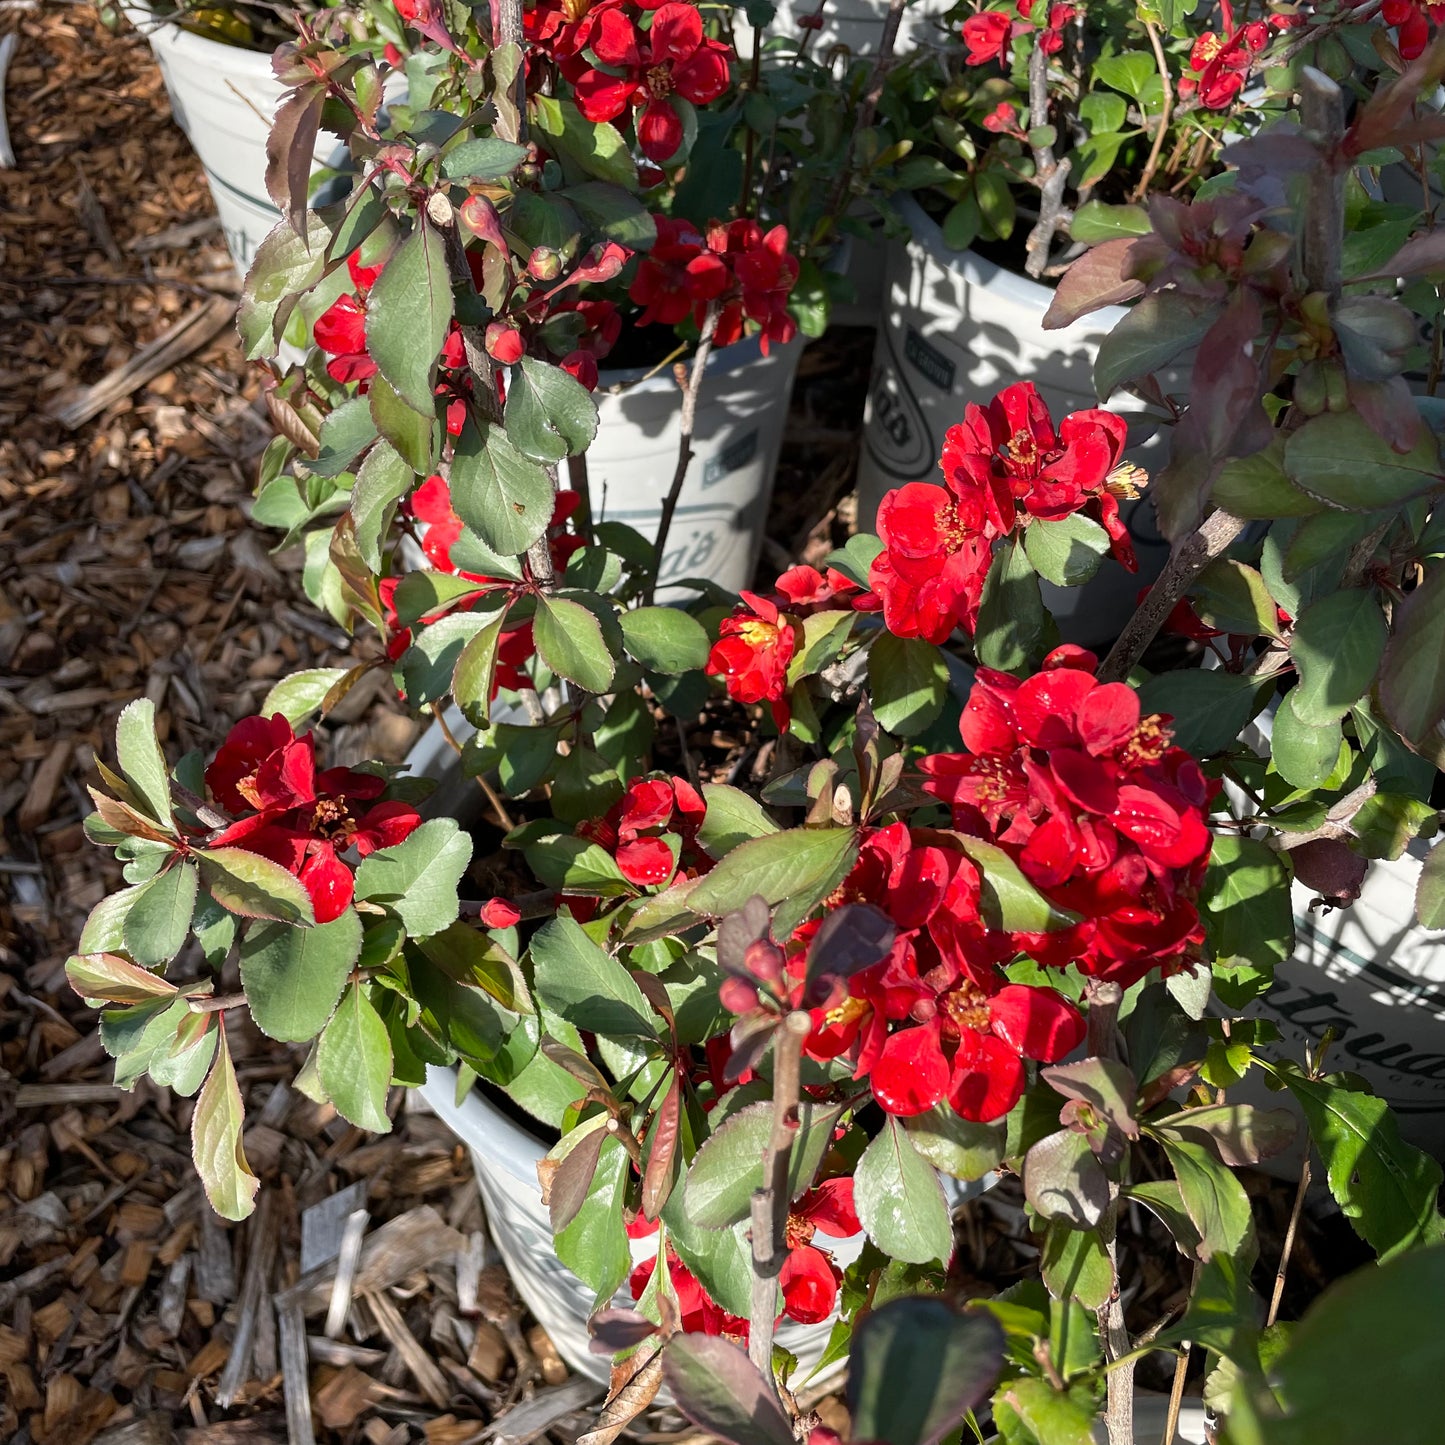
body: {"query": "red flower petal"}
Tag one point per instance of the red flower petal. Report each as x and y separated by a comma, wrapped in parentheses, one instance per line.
(659, 131)
(328, 880)
(676, 32)
(911, 1074)
(1037, 1023)
(1045, 705)
(1107, 717)
(988, 1078)
(829, 1208)
(645, 861)
(498, 913)
(810, 1285)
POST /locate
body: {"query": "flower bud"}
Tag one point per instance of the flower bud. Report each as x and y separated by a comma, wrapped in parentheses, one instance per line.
(544, 264)
(480, 217)
(738, 995)
(504, 343)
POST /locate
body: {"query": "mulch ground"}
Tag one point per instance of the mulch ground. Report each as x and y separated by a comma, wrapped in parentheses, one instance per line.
(129, 1314)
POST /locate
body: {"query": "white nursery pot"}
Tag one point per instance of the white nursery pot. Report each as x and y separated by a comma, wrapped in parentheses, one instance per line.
(717, 530)
(224, 98)
(505, 1155)
(855, 24)
(957, 329)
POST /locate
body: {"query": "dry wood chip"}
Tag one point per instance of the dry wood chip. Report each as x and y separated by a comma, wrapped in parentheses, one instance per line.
(423, 1368)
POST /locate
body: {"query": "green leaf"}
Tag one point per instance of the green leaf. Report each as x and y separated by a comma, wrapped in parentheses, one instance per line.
(549, 413)
(1257, 487)
(1008, 900)
(1430, 891)
(293, 976)
(1050, 1417)
(665, 639)
(587, 986)
(900, 1200)
(719, 1388)
(354, 1061)
(407, 315)
(732, 817)
(216, 1147)
(411, 433)
(141, 759)
(576, 865)
(855, 558)
(110, 978)
(954, 1145)
(419, 594)
(917, 1367)
(1245, 907)
(1338, 458)
(1304, 755)
(1076, 1266)
(594, 1245)
(1102, 112)
(1337, 645)
(1375, 1325)
(728, 1167)
(599, 149)
(298, 696)
(1011, 612)
(1412, 677)
(1158, 328)
(1097, 221)
(569, 640)
(1210, 708)
(160, 917)
(1387, 823)
(429, 665)
(503, 496)
(482, 158)
(613, 214)
(1386, 1187)
(1232, 597)
(181, 1063)
(252, 886)
(382, 480)
(1213, 1198)
(908, 679)
(472, 677)
(799, 867)
(285, 265)
(1068, 552)
(822, 638)
(345, 433)
(417, 880)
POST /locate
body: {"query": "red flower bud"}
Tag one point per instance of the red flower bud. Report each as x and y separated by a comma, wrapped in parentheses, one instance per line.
(544, 264)
(498, 913)
(504, 343)
(480, 217)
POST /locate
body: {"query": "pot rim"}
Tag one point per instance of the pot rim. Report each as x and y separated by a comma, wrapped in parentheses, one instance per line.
(162, 30)
(927, 235)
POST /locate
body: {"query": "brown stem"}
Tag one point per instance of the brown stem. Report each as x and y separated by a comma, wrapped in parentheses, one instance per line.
(1152, 164)
(1322, 117)
(1188, 559)
(1289, 1234)
(1050, 172)
(539, 554)
(838, 201)
(577, 480)
(1176, 1395)
(1119, 1407)
(770, 1203)
(443, 216)
(509, 31)
(684, 445)
(217, 1004)
(745, 192)
(498, 807)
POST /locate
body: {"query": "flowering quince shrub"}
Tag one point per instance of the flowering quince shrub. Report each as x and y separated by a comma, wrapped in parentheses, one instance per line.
(975, 900)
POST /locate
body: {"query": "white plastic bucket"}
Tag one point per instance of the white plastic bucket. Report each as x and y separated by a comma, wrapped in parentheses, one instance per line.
(717, 530)
(854, 24)
(224, 98)
(505, 1156)
(958, 329)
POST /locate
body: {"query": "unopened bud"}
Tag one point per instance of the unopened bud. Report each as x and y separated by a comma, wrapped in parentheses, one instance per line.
(544, 264)
(480, 217)
(504, 343)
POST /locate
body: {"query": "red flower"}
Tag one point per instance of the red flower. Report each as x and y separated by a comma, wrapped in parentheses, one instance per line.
(971, 1049)
(1051, 38)
(931, 571)
(697, 1313)
(678, 275)
(645, 69)
(804, 590)
(809, 1279)
(1003, 119)
(340, 330)
(1222, 62)
(303, 828)
(752, 653)
(986, 37)
(651, 829)
(1006, 464)
(1100, 813)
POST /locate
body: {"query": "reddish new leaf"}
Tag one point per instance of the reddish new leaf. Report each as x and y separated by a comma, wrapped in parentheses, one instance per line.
(1101, 277)
(662, 1158)
(572, 1178)
(289, 150)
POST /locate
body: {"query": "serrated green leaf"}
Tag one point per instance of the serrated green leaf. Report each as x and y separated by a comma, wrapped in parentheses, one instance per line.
(382, 480)
(216, 1147)
(900, 1200)
(908, 680)
(252, 886)
(160, 917)
(665, 639)
(1304, 755)
(141, 760)
(407, 314)
(569, 640)
(1067, 552)
(299, 695)
(354, 1061)
(1011, 612)
(506, 498)
(954, 1145)
(594, 1245)
(1338, 458)
(1337, 645)
(549, 413)
(732, 817)
(417, 879)
(587, 986)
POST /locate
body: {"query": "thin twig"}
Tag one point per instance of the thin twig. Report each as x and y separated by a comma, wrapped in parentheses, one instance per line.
(1189, 558)
(1152, 164)
(577, 480)
(498, 807)
(770, 1203)
(1289, 1234)
(684, 445)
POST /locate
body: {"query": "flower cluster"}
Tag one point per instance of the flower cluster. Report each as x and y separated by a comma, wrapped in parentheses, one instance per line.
(809, 1279)
(746, 271)
(1220, 62)
(1102, 814)
(1004, 467)
(756, 644)
(265, 777)
(988, 34)
(651, 831)
(1411, 20)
